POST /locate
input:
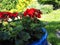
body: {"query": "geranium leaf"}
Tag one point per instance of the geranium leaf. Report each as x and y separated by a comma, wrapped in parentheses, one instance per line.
(19, 42)
(24, 36)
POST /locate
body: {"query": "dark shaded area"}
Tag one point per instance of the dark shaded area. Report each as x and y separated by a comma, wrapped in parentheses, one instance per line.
(55, 4)
(6, 42)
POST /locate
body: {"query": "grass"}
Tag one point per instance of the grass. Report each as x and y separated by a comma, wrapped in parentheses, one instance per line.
(53, 22)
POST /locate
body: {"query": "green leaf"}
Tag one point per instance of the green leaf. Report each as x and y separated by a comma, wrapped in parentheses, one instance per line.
(18, 28)
(4, 35)
(19, 42)
(12, 23)
(24, 36)
(10, 28)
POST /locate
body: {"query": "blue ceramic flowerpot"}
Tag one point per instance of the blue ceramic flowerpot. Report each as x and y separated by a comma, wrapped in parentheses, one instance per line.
(43, 40)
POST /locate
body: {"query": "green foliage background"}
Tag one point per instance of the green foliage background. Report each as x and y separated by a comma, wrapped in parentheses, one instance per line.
(14, 5)
(7, 4)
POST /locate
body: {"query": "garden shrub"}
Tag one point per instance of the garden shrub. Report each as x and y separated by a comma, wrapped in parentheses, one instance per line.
(22, 4)
(46, 8)
(14, 5)
(21, 28)
(7, 4)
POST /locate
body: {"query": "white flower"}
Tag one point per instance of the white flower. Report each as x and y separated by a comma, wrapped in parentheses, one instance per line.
(9, 19)
(18, 17)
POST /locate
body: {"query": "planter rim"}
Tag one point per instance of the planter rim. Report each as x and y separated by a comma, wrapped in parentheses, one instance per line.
(44, 37)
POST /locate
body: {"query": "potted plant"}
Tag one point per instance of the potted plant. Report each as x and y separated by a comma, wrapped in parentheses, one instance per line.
(22, 29)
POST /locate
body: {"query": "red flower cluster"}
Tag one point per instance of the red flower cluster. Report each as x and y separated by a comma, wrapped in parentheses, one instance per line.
(33, 13)
(5, 14)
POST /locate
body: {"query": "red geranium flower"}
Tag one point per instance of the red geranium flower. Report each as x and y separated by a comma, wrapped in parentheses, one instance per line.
(9, 14)
(38, 13)
(25, 13)
(29, 12)
(5, 14)
(1, 16)
(14, 14)
(33, 13)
